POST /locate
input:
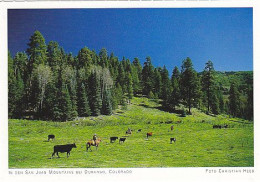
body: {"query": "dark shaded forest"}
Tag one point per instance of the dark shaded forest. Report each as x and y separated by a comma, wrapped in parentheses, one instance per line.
(47, 83)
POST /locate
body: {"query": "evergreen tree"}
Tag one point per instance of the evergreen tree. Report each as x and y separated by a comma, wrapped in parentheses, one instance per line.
(65, 104)
(165, 88)
(54, 57)
(71, 61)
(11, 86)
(147, 76)
(121, 77)
(157, 92)
(189, 84)
(103, 58)
(250, 103)
(129, 85)
(19, 64)
(83, 104)
(107, 103)
(69, 78)
(15, 90)
(175, 94)
(95, 101)
(221, 101)
(214, 100)
(138, 66)
(37, 51)
(84, 58)
(50, 105)
(209, 87)
(234, 100)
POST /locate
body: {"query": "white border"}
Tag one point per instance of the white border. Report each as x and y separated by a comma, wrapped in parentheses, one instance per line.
(138, 174)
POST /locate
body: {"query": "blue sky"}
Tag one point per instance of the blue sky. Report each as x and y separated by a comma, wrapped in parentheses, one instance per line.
(222, 35)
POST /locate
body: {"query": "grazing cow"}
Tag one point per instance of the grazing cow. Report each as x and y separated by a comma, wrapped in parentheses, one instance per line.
(93, 143)
(139, 130)
(112, 139)
(172, 139)
(51, 137)
(129, 131)
(149, 134)
(172, 127)
(225, 126)
(63, 148)
(168, 122)
(217, 126)
(122, 140)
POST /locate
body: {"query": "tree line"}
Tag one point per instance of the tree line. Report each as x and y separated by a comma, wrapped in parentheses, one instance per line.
(47, 83)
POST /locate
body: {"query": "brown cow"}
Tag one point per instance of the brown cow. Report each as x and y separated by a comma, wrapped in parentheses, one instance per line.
(149, 134)
(172, 127)
(93, 143)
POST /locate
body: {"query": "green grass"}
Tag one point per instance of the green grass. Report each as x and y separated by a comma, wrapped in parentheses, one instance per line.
(197, 145)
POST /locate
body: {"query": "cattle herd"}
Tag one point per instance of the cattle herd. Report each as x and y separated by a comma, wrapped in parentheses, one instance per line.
(95, 142)
(68, 147)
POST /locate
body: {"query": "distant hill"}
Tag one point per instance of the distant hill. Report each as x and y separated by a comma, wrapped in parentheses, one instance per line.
(225, 78)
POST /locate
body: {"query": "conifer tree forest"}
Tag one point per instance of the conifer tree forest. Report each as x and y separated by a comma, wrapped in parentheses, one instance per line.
(46, 83)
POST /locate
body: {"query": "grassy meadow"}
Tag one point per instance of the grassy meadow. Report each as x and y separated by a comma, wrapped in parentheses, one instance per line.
(197, 145)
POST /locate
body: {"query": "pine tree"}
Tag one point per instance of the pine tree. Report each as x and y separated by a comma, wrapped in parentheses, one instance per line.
(147, 76)
(84, 58)
(11, 86)
(15, 90)
(37, 51)
(165, 88)
(221, 101)
(50, 105)
(189, 84)
(137, 76)
(95, 101)
(107, 103)
(157, 92)
(175, 94)
(19, 63)
(234, 100)
(129, 85)
(250, 103)
(214, 100)
(121, 77)
(209, 87)
(103, 58)
(65, 104)
(54, 57)
(83, 103)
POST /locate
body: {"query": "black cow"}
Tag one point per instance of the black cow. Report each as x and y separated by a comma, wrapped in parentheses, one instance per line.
(173, 139)
(63, 148)
(51, 137)
(122, 140)
(217, 126)
(112, 139)
(139, 130)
